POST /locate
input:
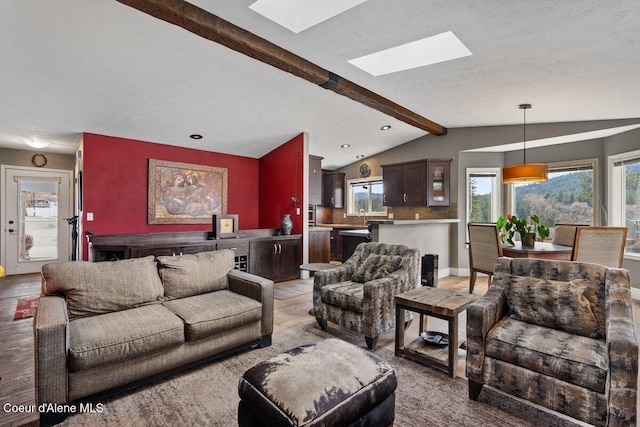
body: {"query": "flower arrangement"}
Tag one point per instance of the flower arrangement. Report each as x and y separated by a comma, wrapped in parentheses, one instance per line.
(510, 224)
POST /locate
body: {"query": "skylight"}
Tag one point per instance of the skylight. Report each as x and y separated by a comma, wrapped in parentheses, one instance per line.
(298, 15)
(431, 50)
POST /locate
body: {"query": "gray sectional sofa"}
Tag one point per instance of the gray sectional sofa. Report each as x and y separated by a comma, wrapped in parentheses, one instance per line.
(101, 326)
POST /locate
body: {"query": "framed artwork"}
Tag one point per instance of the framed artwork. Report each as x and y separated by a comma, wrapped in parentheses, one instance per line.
(182, 193)
(225, 226)
(438, 182)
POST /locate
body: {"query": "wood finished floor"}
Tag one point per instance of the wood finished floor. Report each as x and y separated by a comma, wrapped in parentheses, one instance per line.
(16, 354)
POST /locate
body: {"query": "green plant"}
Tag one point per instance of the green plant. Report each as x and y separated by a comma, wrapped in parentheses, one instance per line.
(510, 224)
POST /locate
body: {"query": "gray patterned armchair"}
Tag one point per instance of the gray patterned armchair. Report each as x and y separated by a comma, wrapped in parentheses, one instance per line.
(559, 334)
(359, 293)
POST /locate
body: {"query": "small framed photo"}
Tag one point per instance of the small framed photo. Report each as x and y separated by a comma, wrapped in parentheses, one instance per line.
(438, 182)
(224, 226)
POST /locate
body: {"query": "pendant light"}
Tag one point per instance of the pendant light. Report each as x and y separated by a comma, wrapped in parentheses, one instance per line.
(525, 172)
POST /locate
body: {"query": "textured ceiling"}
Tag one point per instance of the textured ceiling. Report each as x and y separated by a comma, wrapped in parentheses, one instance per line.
(73, 66)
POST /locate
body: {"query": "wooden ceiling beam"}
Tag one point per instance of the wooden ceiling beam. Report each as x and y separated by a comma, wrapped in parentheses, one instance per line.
(216, 29)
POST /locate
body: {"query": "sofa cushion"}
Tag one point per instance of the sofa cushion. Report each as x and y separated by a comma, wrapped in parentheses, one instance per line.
(122, 336)
(572, 358)
(376, 267)
(214, 312)
(348, 295)
(93, 288)
(195, 274)
(552, 303)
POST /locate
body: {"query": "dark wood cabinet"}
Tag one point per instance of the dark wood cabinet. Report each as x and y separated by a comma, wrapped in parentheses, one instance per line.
(277, 259)
(405, 184)
(315, 180)
(319, 246)
(333, 190)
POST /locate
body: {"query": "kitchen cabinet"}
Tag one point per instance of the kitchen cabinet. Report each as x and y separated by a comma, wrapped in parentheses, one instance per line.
(319, 245)
(333, 190)
(315, 180)
(350, 239)
(277, 259)
(405, 184)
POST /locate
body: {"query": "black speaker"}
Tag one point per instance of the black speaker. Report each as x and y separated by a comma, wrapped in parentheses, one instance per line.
(429, 275)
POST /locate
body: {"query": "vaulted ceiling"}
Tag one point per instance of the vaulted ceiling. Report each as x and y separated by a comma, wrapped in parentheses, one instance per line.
(73, 66)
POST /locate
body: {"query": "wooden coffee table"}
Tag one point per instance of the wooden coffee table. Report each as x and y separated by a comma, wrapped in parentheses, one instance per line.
(440, 303)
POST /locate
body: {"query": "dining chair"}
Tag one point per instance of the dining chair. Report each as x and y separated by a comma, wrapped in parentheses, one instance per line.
(565, 234)
(484, 250)
(600, 245)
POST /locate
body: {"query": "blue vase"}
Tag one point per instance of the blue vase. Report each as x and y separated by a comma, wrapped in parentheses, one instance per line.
(287, 224)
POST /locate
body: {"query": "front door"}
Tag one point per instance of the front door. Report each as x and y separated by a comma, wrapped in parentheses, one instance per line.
(35, 207)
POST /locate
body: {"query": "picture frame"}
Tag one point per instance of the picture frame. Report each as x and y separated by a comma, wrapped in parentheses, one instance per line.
(224, 226)
(183, 193)
(438, 182)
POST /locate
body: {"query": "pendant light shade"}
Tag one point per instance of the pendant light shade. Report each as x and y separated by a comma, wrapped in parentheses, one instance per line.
(525, 172)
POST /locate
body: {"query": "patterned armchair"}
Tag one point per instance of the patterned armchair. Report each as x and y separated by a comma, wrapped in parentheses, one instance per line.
(559, 334)
(359, 293)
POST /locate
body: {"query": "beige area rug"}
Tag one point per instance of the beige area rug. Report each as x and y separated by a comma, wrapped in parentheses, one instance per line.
(288, 290)
(208, 395)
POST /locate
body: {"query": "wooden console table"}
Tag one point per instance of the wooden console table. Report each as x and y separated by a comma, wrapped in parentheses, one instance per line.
(440, 303)
(261, 251)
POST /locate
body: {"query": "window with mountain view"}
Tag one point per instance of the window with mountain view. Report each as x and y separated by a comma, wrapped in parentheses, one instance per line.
(367, 195)
(626, 198)
(567, 197)
(483, 194)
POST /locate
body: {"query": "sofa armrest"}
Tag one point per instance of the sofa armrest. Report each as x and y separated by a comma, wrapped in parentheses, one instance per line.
(622, 348)
(258, 288)
(50, 328)
(482, 315)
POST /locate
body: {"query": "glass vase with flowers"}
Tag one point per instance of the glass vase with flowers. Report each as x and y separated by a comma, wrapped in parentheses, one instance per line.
(527, 229)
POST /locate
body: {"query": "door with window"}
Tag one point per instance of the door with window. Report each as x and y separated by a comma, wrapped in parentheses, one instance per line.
(35, 206)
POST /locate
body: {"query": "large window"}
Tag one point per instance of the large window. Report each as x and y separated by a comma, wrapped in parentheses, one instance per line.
(483, 194)
(569, 196)
(365, 194)
(624, 197)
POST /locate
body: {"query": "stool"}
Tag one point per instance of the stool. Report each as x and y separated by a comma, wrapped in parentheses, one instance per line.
(331, 383)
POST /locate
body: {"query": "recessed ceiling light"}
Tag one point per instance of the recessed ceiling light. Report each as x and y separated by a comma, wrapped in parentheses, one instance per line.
(345, 146)
(385, 127)
(359, 156)
(36, 144)
(296, 15)
(431, 50)
(195, 136)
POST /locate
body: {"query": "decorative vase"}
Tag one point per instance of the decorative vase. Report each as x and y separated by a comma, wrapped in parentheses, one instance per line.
(529, 241)
(287, 224)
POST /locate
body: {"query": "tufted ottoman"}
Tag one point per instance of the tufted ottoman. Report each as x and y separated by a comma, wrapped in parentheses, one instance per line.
(328, 383)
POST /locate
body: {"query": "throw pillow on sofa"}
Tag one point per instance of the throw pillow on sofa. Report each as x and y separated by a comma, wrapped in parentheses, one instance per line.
(187, 275)
(93, 288)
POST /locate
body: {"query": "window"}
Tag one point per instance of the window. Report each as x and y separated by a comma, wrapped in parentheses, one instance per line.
(624, 197)
(568, 197)
(365, 194)
(483, 194)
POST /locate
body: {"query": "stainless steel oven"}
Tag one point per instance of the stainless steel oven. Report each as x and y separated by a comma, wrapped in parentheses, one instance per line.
(312, 215)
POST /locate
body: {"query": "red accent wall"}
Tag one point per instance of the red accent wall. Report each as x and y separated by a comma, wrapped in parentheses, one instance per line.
(115, 176)
(281, 178)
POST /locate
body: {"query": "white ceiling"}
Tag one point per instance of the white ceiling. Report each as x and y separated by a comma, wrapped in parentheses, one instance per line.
(73, 66)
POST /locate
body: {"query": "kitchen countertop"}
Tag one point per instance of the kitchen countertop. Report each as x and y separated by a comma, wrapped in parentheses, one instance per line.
(356, 233)
(346, 226)
(318, 229)
(412, 221)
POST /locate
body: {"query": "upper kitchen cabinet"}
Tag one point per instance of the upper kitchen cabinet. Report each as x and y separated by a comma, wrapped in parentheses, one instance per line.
(333, 190)
(438, 182)
(315, 180)
(405, 184)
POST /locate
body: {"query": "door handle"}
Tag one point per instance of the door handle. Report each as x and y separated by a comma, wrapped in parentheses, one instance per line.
(404, 197)
(275, 248)
(279, 248)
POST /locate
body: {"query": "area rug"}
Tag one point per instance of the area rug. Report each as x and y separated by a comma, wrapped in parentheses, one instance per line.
(293, 289)
(208, 395)
(26, 308)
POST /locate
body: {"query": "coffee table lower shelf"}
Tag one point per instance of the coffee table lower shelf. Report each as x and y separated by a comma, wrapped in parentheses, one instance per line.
(419, 351)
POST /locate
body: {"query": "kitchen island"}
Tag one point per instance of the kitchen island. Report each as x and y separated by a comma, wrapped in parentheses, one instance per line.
(430, 236)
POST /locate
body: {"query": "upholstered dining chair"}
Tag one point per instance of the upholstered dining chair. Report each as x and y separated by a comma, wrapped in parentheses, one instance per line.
(484, 250)
(565, 234)
(600, 245)
(359, 294)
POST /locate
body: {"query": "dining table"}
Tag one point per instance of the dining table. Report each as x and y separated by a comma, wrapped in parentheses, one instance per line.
(544, 250)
